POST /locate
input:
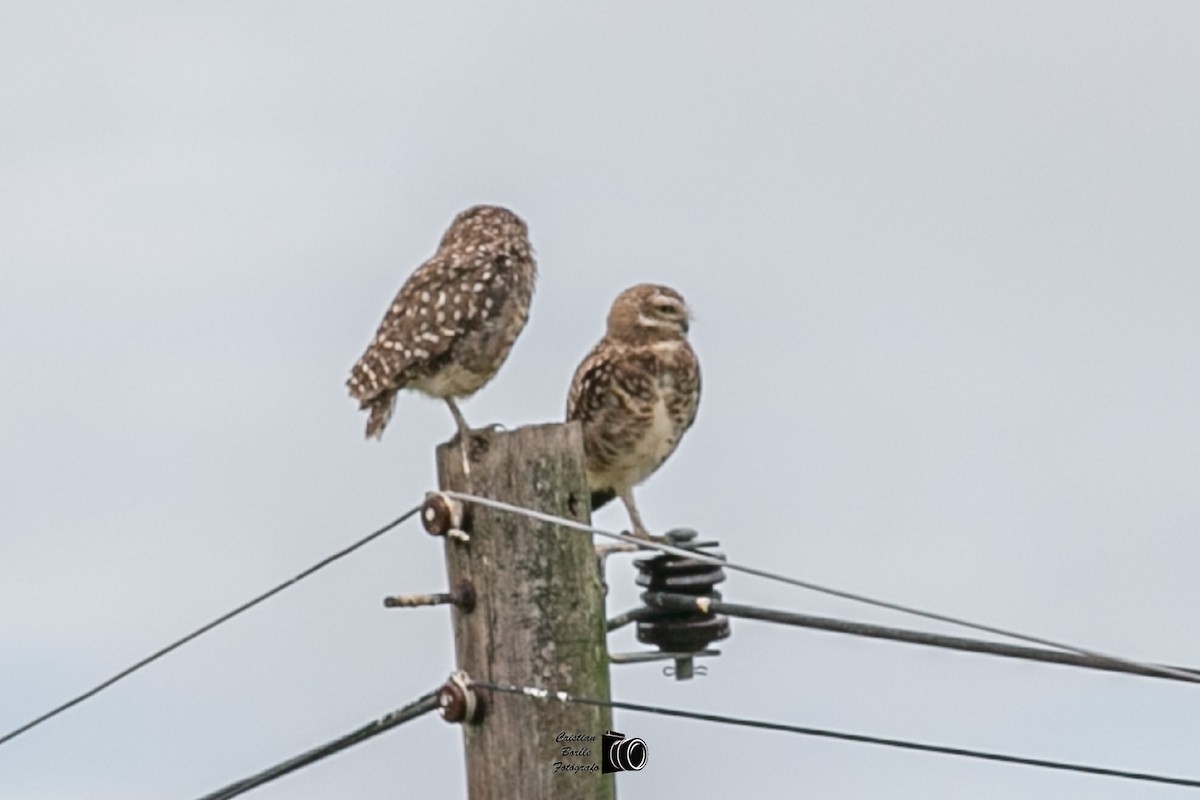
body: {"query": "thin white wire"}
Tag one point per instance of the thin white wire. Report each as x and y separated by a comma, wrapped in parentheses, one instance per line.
(859, 598)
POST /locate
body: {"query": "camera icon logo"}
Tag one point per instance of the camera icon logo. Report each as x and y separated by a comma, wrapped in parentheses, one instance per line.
(619, 754)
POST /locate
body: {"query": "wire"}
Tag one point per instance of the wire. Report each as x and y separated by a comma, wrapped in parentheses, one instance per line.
(680, 602)
(422, 705)
(543, 694)
(859, 598)
(206, 628)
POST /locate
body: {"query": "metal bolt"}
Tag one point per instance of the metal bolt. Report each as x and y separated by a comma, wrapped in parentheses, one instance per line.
(685, 669)
(415, 600)
(462, 597)
(699, 671)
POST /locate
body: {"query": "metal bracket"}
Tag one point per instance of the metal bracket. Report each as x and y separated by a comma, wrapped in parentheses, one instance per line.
(644, 656)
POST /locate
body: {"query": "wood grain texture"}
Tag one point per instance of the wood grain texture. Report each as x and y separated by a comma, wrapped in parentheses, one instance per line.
(538, 619)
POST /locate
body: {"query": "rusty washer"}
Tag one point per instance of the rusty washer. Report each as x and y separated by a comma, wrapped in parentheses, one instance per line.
(443, 516)
(458, 702)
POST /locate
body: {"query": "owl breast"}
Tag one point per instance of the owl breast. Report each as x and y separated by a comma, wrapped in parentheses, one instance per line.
(658, 442)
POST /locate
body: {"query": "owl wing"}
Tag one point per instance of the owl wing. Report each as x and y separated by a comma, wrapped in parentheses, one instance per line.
(446, 298)
(612, 394)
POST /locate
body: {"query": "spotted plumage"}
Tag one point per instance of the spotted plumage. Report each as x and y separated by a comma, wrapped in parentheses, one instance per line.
(635, 394)
(454, 321)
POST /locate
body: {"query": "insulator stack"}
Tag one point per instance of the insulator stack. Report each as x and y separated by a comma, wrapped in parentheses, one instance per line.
(676, 631)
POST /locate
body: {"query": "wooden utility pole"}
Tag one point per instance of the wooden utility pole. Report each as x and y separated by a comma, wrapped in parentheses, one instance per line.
(538, 618)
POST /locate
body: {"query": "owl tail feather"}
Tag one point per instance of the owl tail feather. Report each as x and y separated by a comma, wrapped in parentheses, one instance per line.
(381, 411)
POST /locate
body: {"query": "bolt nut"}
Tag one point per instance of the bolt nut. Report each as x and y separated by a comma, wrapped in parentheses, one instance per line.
(681, 536)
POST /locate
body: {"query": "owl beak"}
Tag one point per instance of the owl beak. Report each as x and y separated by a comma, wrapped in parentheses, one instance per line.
(685, 324)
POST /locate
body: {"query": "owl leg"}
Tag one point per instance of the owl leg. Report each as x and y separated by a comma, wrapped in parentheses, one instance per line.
(639, 529)
(463, 429)
(464, 436)
(469, 437)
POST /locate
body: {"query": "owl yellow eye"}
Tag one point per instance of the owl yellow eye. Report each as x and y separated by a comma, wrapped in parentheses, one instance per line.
(665, 308)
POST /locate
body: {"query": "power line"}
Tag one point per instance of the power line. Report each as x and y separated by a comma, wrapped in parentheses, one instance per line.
(423, 705)
(859, 598)
(680, 602)
(206, 628)
(543, 694)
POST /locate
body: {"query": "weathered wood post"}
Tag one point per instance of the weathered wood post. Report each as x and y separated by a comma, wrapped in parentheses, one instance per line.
(538, 618)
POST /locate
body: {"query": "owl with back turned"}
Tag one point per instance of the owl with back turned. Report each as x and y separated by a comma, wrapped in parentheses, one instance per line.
(454, 321)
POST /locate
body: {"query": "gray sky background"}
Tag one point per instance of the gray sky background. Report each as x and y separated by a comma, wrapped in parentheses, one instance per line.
(944, 263)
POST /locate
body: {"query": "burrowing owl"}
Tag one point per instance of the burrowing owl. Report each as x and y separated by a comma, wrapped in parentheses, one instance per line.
(455, 319)
(636, 393)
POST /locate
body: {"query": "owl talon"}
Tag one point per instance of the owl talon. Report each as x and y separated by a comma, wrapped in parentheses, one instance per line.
(471, 442)
(474, 444)
(486, 432)
(646, 536)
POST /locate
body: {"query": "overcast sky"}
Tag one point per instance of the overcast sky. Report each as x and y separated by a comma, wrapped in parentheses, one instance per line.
(945, 265)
